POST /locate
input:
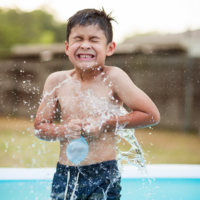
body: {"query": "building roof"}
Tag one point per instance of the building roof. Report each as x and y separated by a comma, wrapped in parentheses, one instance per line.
(186, 41)
(36, 49)
(155, 42)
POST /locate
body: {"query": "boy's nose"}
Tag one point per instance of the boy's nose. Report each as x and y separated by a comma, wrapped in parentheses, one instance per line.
(85, 45)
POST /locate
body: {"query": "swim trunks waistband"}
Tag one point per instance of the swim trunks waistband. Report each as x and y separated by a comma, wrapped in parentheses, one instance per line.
(87, 169)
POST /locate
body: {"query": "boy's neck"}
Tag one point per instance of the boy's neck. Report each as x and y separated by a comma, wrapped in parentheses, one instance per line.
(89, 74)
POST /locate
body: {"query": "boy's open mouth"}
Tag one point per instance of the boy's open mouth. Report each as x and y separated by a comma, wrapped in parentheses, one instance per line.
(85, 56)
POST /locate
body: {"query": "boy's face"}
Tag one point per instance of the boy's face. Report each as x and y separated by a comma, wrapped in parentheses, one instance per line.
(87, 47)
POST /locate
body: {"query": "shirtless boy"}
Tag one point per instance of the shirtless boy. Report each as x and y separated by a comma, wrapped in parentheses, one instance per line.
(84, 93)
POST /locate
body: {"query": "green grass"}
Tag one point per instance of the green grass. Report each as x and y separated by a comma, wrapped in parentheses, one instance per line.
(169, 147)
(20, 148)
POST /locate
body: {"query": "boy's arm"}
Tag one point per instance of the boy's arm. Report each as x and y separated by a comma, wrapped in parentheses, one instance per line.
(144, 113)
(44, 129)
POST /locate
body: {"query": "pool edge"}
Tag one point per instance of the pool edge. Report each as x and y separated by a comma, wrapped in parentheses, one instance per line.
(129, 171)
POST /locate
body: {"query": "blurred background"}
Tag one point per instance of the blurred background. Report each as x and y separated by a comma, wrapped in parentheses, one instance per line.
(158, 46)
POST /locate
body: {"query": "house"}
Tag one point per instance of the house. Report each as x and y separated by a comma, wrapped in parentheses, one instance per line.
(166, 67)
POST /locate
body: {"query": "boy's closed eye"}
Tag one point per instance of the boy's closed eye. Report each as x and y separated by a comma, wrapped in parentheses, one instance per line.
(77, 38)
(94, 39)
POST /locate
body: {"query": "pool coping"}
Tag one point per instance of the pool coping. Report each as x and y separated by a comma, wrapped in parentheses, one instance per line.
(129, 171)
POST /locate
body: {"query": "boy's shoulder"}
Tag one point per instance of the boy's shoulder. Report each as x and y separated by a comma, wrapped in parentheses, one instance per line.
(113, 69)
(57, 77)
(118, 78)
(114, 72)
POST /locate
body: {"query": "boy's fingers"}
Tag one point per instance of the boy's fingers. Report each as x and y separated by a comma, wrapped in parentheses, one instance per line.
(76, 128)
(74, 137)
(90, 129)
(86, 127)
(76, 121)
(85, 124)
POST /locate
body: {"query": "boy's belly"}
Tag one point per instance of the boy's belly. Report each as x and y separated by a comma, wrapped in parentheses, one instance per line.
(100, 150)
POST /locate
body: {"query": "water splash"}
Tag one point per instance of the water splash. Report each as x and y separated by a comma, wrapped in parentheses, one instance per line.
(102, 108)
(94, 106)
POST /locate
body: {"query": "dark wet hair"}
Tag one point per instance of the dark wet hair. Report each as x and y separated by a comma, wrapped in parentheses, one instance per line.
(92, 16)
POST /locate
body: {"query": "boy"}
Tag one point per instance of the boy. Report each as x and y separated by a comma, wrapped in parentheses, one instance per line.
(90, 95)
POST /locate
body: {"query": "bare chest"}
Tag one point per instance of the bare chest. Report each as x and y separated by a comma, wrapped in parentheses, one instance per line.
(82, 102)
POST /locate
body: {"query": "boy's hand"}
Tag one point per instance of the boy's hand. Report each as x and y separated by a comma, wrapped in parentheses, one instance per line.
(93, 127)
(73, 129)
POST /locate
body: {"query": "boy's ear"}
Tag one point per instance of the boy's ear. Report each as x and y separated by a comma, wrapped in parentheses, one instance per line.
(111, 48)
(66, 48)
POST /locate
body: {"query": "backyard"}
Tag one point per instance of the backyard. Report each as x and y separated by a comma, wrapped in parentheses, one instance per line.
(20, 148)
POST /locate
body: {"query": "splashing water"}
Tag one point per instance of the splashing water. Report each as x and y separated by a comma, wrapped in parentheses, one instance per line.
(103, 109)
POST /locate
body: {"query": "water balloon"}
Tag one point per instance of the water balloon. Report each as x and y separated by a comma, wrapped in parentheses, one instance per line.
(77, 150)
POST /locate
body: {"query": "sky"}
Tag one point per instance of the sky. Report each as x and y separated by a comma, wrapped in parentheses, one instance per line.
(134, 17)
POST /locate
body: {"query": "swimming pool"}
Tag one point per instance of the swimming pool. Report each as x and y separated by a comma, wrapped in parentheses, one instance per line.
(172, 182)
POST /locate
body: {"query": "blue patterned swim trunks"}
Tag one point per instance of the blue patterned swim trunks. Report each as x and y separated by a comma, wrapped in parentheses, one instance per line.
(99, 181)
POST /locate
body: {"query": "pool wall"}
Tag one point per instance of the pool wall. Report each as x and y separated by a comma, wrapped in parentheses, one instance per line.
(154, 171)
(166, 182)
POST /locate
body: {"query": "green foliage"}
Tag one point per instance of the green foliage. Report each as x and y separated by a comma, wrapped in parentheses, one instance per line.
(18, 27)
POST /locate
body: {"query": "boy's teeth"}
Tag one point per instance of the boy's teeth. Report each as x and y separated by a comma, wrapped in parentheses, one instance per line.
(85, 56)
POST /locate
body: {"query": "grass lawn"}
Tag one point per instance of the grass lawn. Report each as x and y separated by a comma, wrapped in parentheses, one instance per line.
(20, 148)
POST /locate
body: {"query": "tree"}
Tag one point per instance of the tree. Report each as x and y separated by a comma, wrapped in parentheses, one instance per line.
(38, 26)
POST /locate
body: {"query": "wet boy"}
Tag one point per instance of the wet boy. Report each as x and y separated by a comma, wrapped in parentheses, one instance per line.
(84, 93)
